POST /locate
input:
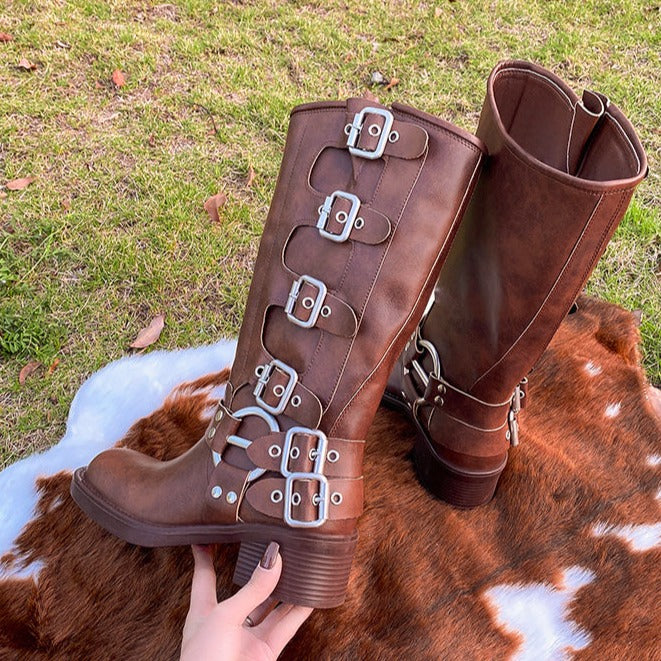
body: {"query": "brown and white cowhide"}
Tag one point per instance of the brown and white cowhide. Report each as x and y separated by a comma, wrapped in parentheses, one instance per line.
(563, 562)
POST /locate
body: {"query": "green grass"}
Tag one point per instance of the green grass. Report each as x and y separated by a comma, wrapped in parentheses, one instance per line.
(113, 232)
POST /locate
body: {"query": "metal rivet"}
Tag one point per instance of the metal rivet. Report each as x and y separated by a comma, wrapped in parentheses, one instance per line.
(325, 311)
(295, 401)
(341, 217)
(278, 390)
(336, 498)
(231, 497)
(219, 415)
(276, 496)
(212, 432)
(296, 499)
(438, 401)
(216, 492)
(393, 137)
(333, 456)
(294, 453)
(359, 223)
(374, 130)
(507, 435)
(275, 451)
(258, 370)
(308, 303)
(441, 389)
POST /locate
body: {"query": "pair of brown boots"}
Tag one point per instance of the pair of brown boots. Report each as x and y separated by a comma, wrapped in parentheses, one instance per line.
(370, 203)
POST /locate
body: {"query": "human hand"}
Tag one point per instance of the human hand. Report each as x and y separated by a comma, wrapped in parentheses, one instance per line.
(221, 631)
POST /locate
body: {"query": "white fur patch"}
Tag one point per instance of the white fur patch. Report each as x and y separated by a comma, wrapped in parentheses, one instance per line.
(613, 410)
(537, 612)
(591, 368)
(639, 538)
(654, 460)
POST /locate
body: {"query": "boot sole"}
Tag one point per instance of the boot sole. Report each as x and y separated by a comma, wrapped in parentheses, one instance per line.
(315, 567)
(458, 487)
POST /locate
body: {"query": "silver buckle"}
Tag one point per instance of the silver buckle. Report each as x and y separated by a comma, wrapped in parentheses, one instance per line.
(322, 505)
(244, 443)
(320, 451)
(357, 126)
(316, 306)
(284, 396)
(324, 215)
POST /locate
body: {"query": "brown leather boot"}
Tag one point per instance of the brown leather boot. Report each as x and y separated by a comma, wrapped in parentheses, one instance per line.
(557, 181)
(363, 212)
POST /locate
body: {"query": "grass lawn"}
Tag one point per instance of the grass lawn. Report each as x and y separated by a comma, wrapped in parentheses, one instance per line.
(113, 231)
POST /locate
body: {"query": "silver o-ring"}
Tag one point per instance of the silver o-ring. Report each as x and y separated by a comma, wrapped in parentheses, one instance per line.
(374, 129)
(276, 496)
(336, 498)
(333, 456)
(275, 451)
(393, 137)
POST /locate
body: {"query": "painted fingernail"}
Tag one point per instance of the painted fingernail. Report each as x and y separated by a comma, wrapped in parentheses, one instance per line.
(270, 555)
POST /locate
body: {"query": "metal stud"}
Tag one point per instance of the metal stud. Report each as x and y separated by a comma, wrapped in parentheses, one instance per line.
(336, 498)
(441, 388)
(439, 401)
(276, 496)
(219, 415)
(212, 432)
(231, 497)
(216, 492)
(508, 435)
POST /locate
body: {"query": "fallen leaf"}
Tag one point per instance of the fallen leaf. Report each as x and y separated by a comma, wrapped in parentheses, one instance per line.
(392, 83)
(5, 36)
(27, 370)
(19, 184)
(213, 204)
(118, 78)
(66, 203)
(150, 334)
(23, 63)
(370, 96)
(251, 177)
(53, 365)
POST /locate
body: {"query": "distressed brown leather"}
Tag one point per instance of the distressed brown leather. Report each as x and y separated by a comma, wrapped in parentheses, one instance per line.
(557, 181)
(378, 281)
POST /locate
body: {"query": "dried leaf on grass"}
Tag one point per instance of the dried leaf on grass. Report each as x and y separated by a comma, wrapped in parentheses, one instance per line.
(251, 177)
(53, 366)
(214, 204)
(5, 36)
(118, 78)
(392, 83)
(27, 370)
(24, 63)
(19, 184)
(150, 334)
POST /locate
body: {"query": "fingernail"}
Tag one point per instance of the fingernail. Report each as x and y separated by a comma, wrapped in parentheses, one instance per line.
(270, 555)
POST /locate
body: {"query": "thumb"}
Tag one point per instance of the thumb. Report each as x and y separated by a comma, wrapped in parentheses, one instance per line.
(260, 586)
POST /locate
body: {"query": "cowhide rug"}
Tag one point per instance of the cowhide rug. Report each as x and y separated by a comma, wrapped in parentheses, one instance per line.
(563, 562)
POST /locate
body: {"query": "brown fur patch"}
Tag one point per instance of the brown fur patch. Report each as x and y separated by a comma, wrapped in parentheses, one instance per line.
(422, 567)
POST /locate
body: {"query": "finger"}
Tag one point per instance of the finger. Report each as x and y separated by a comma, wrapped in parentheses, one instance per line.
(279, 627)
(259, 613)
(203, 595)
(259, 587)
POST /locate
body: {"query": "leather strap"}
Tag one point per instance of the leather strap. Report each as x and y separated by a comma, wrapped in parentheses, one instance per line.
(222, 425)
(344, 458)
(261, 495)
(335, 315)
(411, 142)
(374, 229)
(227, 484)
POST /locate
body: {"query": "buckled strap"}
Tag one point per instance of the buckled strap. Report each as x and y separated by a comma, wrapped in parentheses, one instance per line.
(345, 498)
(344, 458)
(309, 304)
(225, 491)
(410, 143)
(301, 404)
(373, 228)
